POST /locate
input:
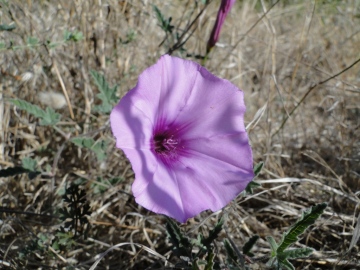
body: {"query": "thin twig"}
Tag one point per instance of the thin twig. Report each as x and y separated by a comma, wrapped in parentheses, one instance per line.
(249, 30)
(309, 91)
(64, 90)
(180, 43)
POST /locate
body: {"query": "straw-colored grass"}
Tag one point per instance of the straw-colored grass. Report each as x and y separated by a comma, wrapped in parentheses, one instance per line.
(276, 59)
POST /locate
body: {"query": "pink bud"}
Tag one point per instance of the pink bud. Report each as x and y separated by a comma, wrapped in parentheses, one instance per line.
(224, 9)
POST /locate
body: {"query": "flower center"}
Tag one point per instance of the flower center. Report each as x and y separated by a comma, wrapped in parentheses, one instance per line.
(164, 144)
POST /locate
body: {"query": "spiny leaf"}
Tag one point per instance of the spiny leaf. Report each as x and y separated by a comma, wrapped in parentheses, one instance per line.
(308, 218)
(213, 234)
(181, 243)
(249, 244)
(210, 261)
(107, 94)
(48, 117)
(296, 253)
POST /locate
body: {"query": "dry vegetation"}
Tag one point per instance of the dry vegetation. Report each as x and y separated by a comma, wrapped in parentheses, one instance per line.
(276, 59)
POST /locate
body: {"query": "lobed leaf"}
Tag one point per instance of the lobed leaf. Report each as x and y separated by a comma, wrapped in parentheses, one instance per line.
(48, 117)
(107, 94)
(99, 147)
(307, 218)
(29, 164)
(213, 234)
(181, 243)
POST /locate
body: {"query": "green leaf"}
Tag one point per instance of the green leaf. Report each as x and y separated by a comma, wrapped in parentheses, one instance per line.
(73, 36)
(99, 147)
(213, 234)
(29, 164)
(210, 261)
(252, 185)
(307, 218)
(286, 265)
(249, 244)
(32, 41)
(229, 250)
(181, 243)
(297, 253)
(258, 167)
(83, 142)
(107, 94)
(7, 27)
(101, 185)
(273, 245)
(51, 117)
(165, 24)
(48, 117)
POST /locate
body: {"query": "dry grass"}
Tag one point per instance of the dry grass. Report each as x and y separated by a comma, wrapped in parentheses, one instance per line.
(313, 158)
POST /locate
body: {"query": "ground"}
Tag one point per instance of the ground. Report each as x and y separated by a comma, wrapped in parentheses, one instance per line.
(297, 63)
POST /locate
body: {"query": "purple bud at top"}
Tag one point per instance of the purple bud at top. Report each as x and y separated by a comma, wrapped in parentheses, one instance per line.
(224, 9)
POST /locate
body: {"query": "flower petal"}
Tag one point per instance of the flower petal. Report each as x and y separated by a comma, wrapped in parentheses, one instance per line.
(215, 107)
(130, 122)
(213, 173)
(160, 193)
(182, 129)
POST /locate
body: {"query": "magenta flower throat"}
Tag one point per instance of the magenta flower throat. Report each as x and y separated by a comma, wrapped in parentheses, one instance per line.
(183, 131)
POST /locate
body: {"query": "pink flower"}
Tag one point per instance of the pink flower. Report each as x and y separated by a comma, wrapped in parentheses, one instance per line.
(183, 131)
(224, 9)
